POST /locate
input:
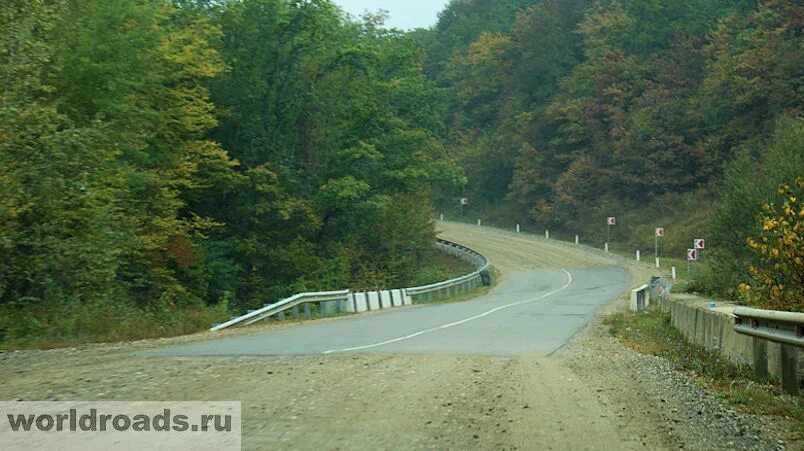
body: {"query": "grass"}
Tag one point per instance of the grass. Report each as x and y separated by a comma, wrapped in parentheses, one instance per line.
(438, 266)
(651, 332)
(65, 324)
(477, 292)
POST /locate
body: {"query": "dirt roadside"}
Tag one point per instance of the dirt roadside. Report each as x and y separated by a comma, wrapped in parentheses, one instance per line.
(592, 395)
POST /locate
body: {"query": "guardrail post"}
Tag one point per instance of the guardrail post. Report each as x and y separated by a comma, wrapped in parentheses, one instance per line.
(307, 312)
(295, 312)
(429, 296)
(281, 316)
(379, 296)
(790, 369)
(760, 358)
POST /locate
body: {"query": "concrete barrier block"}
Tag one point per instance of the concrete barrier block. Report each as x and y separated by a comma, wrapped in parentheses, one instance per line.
(400, 299)
(373, 300)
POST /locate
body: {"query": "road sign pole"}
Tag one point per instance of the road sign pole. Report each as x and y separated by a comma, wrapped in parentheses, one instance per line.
(656, 245)
(608, 233)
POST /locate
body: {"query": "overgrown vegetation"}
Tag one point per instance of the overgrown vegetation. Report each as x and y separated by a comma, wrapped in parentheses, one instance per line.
(182, 155)
(651, 332)
(164, 161)
(565, 112)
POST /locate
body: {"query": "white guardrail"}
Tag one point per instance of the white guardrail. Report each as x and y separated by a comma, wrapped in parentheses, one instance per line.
(347, 301)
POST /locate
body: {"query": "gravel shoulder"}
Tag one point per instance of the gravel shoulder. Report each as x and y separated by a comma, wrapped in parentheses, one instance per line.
(594, 394)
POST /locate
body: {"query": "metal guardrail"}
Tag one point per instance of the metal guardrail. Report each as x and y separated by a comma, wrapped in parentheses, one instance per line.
(282, 306)
(458, 284)
(785, 328)
(452, 286)
(779, 327)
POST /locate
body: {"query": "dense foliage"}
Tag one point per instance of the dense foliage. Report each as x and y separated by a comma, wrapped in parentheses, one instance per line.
(578, 110)
(160, 157)
(162, 162)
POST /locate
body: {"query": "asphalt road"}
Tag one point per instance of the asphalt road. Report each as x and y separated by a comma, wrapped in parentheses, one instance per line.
(469, 375)
(533, 311)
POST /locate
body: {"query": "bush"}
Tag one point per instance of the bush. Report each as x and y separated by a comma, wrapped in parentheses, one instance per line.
(751, 182)
(778, 274)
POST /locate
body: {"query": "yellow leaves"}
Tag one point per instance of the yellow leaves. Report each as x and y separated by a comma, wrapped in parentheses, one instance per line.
(779, 268)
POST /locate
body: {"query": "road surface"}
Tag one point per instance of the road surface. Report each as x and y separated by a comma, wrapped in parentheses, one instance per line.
(529, 311)
(515, 369)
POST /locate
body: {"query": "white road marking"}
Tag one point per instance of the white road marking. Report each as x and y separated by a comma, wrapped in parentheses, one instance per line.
(456, 323)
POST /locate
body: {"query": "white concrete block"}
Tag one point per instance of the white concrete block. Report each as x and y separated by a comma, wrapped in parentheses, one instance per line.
(373, 300)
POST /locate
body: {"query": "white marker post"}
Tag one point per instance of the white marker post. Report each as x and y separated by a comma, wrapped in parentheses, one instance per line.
(442, 216)
(637, 252)
(674, 273)
(577, 240)
(547, 234)
(606, 247)
(517, 228)
(478, 222)
(657, 263)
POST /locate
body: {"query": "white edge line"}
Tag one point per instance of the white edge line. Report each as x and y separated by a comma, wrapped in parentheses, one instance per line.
(456, 323)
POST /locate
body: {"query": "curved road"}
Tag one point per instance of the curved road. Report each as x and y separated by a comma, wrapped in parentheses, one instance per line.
(549, 291)
(469, 375)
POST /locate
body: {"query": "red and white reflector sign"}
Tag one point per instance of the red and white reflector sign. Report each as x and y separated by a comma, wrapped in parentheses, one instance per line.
(464, 201)
(692, 255)
(612, 220)
(699, 244)
(659, 231)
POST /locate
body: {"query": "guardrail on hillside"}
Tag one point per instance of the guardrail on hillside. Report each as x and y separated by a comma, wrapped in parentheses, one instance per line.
(459, 284)
(785, 328)
(346, 301)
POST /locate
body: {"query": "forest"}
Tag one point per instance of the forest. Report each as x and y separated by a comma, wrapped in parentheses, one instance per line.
(681, 114)
(166, 163)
